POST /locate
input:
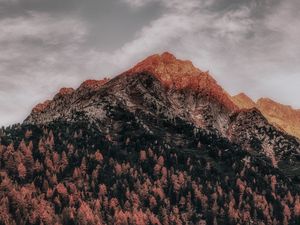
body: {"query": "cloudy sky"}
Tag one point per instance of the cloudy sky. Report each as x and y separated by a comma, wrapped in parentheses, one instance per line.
(248, 45)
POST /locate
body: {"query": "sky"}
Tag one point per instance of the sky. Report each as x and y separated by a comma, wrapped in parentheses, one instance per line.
(250, 46)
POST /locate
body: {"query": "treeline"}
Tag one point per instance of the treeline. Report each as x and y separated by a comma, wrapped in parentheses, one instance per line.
(73, 174)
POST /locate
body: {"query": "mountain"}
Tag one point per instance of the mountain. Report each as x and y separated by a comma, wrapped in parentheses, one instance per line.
(243, 101)
(165, 90)
(161, 143)
(161, 86)
(282, 116)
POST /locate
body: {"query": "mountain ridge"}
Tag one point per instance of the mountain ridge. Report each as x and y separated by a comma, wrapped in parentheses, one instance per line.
(282, 116)
(179, 74)
(175, 75)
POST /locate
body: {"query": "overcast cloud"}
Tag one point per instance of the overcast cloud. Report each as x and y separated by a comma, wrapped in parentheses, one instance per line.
(248, 45)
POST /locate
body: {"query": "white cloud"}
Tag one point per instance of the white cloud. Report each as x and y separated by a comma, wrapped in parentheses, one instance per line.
(184, 23)
(39, 53)
(177, 5)
(42, 27)
(137, 3)
(8, 1)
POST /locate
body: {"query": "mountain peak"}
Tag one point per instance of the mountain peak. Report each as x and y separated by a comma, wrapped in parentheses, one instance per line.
(262, 100)
(182, 74)
(167, 68)
(41, 106)
(271, 102)
(243, 101)
(93, 84)
(276, 109)
(64, 91)
(242, 95)
(168, 56)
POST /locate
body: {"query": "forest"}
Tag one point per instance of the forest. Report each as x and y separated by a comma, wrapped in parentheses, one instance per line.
(64, 173)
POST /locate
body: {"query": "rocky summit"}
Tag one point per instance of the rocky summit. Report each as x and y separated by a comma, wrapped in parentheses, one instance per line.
(161, 143)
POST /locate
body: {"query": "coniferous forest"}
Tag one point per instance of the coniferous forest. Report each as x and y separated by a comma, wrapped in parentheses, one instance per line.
(71, 174)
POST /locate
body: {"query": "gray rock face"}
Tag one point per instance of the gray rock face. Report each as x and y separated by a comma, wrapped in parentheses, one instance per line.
(135, 93)
(251, 130)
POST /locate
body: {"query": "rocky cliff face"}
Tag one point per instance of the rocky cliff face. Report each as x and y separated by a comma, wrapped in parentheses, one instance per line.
(282, 116)
(253, 131)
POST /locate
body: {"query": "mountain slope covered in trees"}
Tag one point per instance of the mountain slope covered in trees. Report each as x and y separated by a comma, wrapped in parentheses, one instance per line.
(159, 144)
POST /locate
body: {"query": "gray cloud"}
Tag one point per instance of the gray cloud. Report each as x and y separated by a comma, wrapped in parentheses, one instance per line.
(251, 46)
